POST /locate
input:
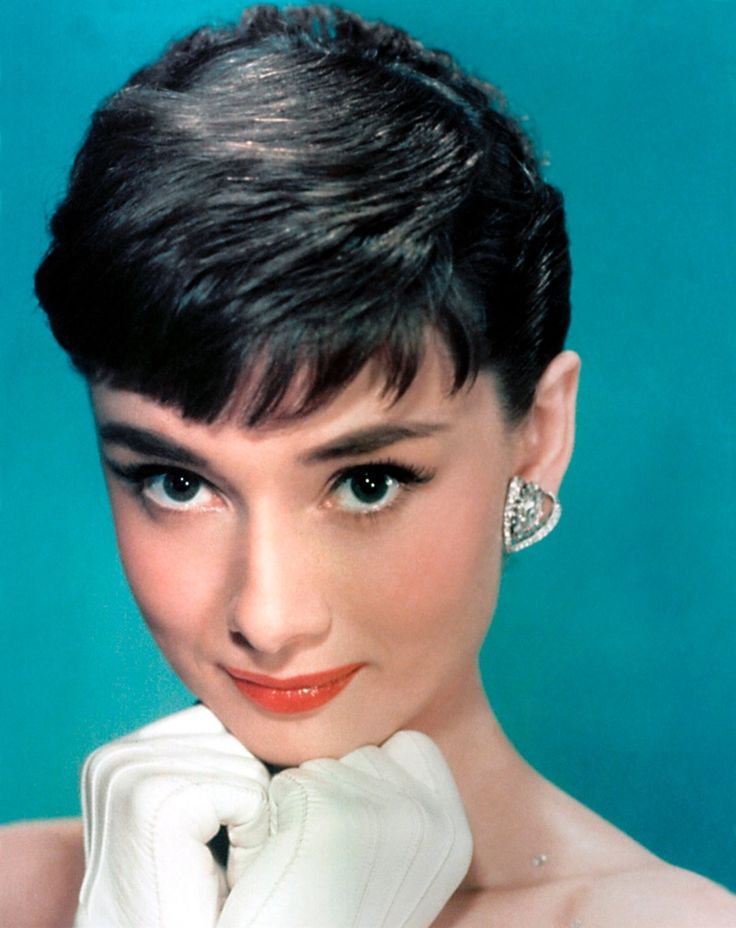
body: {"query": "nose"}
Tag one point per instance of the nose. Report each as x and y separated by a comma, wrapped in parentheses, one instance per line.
(279, 587)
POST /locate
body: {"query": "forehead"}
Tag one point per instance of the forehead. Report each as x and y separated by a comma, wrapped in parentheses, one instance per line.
(362, 403)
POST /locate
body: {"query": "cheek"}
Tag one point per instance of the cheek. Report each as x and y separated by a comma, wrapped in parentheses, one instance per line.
(174, 574)
(437, 571)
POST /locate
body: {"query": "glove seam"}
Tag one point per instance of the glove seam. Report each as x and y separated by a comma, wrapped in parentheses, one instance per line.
(181, 786)
(375, 830)
(297, 847)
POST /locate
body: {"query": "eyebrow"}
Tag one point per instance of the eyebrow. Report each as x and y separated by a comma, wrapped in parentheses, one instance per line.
(149, 443)
(367, 440)
(361, 441)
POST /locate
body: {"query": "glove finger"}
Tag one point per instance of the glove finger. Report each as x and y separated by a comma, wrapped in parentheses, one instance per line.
(221, 744)
(180, 824)
(159, 826)
(364, 772)
(192, 721)
(373, 761)
(406, 758)
(197, 760)
(201, 758)
(246, 841)
(197, 721)
(420, 757)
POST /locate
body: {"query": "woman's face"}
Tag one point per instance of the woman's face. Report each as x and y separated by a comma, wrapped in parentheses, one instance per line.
(359, 546)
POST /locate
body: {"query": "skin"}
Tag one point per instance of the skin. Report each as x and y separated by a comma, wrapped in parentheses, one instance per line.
(272, 567)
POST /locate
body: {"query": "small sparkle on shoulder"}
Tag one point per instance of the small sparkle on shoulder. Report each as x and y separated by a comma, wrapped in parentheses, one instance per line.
(539, 860)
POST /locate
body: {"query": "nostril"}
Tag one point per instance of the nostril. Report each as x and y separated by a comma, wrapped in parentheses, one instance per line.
(240, 640)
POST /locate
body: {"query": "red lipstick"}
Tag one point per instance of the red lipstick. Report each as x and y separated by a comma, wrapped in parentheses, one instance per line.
(293, 694)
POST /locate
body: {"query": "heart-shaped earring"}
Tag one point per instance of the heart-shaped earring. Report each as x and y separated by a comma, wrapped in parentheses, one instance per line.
(529, 515)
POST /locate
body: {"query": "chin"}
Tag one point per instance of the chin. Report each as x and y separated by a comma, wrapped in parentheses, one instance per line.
(351, 721)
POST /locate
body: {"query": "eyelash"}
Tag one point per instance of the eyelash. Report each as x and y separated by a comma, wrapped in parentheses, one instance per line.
(407, 478)
(136, 476)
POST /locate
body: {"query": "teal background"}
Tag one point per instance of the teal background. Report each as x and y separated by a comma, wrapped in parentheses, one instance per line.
(611, 660)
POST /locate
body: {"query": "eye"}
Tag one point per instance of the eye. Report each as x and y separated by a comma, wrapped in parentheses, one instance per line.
(166, 487)
(366, 489)
(177, 489)
(371, 488)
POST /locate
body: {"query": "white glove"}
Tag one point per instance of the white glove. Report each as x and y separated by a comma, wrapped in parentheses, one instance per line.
(151, 802)
(378, 839)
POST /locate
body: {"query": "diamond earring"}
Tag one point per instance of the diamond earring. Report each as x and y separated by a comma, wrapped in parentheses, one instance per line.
(529, 515)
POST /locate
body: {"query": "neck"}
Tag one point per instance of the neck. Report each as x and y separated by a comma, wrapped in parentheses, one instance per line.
(525, 830)
(492, 777)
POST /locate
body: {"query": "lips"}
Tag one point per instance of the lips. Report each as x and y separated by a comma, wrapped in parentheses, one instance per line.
(293, 694)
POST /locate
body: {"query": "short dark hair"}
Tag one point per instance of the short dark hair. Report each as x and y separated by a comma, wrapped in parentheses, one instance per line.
(308, 190)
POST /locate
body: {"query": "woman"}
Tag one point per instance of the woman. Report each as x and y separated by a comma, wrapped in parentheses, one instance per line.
(320, 292)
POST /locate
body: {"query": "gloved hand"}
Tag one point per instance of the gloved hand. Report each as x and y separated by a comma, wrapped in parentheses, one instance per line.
(378, 839)
(151, 802)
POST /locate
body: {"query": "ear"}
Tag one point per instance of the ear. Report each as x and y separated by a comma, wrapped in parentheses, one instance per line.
(547, 434)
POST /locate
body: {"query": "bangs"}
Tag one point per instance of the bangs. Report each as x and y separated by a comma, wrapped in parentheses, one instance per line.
(287, 374)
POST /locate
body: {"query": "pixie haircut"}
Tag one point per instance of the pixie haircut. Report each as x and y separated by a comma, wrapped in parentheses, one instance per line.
(296, 195)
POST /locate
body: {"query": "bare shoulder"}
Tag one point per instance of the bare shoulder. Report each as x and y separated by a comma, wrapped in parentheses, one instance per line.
(655, 896)
(41, 870)
(593, 876)
(616, 881)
